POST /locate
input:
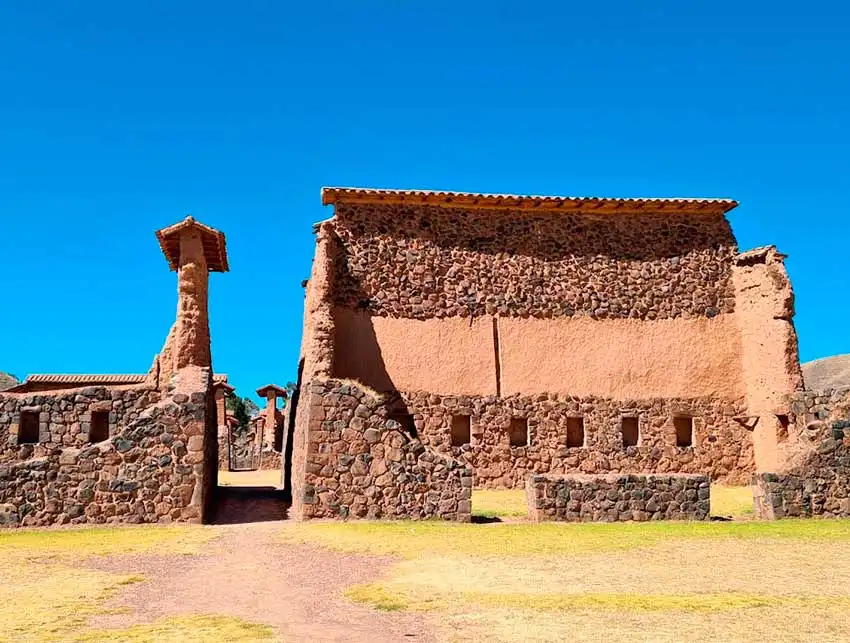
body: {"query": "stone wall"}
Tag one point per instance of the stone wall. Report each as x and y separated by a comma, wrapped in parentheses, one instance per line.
(721, 446)
(150, 469)
(814, 477)
(613, 498)
(420, 262)
(352, 461)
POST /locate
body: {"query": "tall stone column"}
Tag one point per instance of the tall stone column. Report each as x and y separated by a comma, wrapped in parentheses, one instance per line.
(271, 392)
(193, 324)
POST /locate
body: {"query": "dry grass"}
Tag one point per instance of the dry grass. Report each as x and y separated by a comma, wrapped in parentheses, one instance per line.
(499, 503)
(733, 502)
(46, 596)
(267, 478)
(189, 629)
(735, 581)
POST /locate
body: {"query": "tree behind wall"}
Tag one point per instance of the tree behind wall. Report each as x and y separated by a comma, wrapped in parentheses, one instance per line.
(242, 408)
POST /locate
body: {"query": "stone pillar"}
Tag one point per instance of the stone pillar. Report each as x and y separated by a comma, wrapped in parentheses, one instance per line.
(220, 409)
(271, 407)
(193, 325)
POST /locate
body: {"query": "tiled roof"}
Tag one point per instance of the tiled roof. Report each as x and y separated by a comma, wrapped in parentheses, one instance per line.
(215, 249)
(101, 378)
(264, 390)
(334, 195)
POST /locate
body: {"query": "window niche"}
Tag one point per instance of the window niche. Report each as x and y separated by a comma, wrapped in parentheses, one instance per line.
(782, 425)
(461, 430)
(684, 426)
(575, 432)
(518, 431)
(28, 428)
(630, 429)
(99, 426)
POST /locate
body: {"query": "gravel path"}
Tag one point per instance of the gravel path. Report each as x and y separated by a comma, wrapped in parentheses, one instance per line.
(249, 574)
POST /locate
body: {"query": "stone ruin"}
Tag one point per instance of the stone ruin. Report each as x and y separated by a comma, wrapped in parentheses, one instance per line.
(123, 448)
(453, 338)
(611, 356)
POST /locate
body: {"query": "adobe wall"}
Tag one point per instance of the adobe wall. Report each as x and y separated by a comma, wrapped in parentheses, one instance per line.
(352, 461)
(722, 446)
(770, 359)
(812, 478)
(618, 498)
(150, 469)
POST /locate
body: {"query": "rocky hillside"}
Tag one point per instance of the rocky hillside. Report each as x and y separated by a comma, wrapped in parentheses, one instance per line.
(829, 372)
(7, 381)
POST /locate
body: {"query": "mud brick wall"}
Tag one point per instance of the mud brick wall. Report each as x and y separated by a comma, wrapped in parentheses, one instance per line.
(150, 469)
(617, 498)
(423, 261)
(722, 447)
(814, 479)
(352, 461)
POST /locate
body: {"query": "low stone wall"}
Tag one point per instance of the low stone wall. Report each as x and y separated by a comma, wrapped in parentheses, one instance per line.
(150, 468)
(613, 498)
(351, 461)
(815, 480)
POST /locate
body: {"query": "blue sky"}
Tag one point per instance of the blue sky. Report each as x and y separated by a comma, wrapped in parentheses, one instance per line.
(119, 118)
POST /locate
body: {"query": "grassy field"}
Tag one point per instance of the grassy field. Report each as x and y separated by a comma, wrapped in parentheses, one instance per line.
(46, 595)
(730, 581)
(742, 580)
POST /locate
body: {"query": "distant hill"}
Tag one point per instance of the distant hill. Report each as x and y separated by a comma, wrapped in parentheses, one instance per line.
(7, 381)
(828, 372)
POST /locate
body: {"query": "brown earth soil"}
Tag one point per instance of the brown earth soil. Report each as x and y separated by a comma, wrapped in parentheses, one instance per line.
(250, 574)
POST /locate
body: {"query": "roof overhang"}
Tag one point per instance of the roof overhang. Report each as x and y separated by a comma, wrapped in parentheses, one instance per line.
(470, 200)
(272, 388)
(215, 248)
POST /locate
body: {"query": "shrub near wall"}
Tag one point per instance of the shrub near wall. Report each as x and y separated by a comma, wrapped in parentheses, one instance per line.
(613, 498)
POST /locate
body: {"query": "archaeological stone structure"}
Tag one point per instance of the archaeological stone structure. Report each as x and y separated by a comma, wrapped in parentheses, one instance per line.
(504, 339)
(617, 497)
(613, 357)
(123, 448)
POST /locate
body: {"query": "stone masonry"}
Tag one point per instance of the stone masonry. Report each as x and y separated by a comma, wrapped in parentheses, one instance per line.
(149, 468)
(722, 446)
(613, 498)
(814, 479)
(492, 326)
(139, 452)
(352, 461)
(419, 261)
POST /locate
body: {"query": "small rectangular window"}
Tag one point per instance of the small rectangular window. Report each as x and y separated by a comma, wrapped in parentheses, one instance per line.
(781, 428)
(28, 428)
(406, 421)
(99, 426)
(519, 432)
(684, 431)
(575, 432)
(631, 431)
(461, 433)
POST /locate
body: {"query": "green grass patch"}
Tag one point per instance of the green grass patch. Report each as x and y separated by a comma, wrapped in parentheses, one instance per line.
(499, 503)
(107, 541)
(186, 629)
(395, 598)
(736, 502)
(414, 539)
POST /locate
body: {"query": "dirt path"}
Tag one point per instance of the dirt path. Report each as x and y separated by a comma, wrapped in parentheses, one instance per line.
(249, 574)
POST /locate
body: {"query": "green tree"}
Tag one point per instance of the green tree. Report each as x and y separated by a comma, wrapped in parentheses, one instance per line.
(242, 408)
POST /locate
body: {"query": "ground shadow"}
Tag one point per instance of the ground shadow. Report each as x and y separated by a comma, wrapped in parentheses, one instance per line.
(237, 505)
